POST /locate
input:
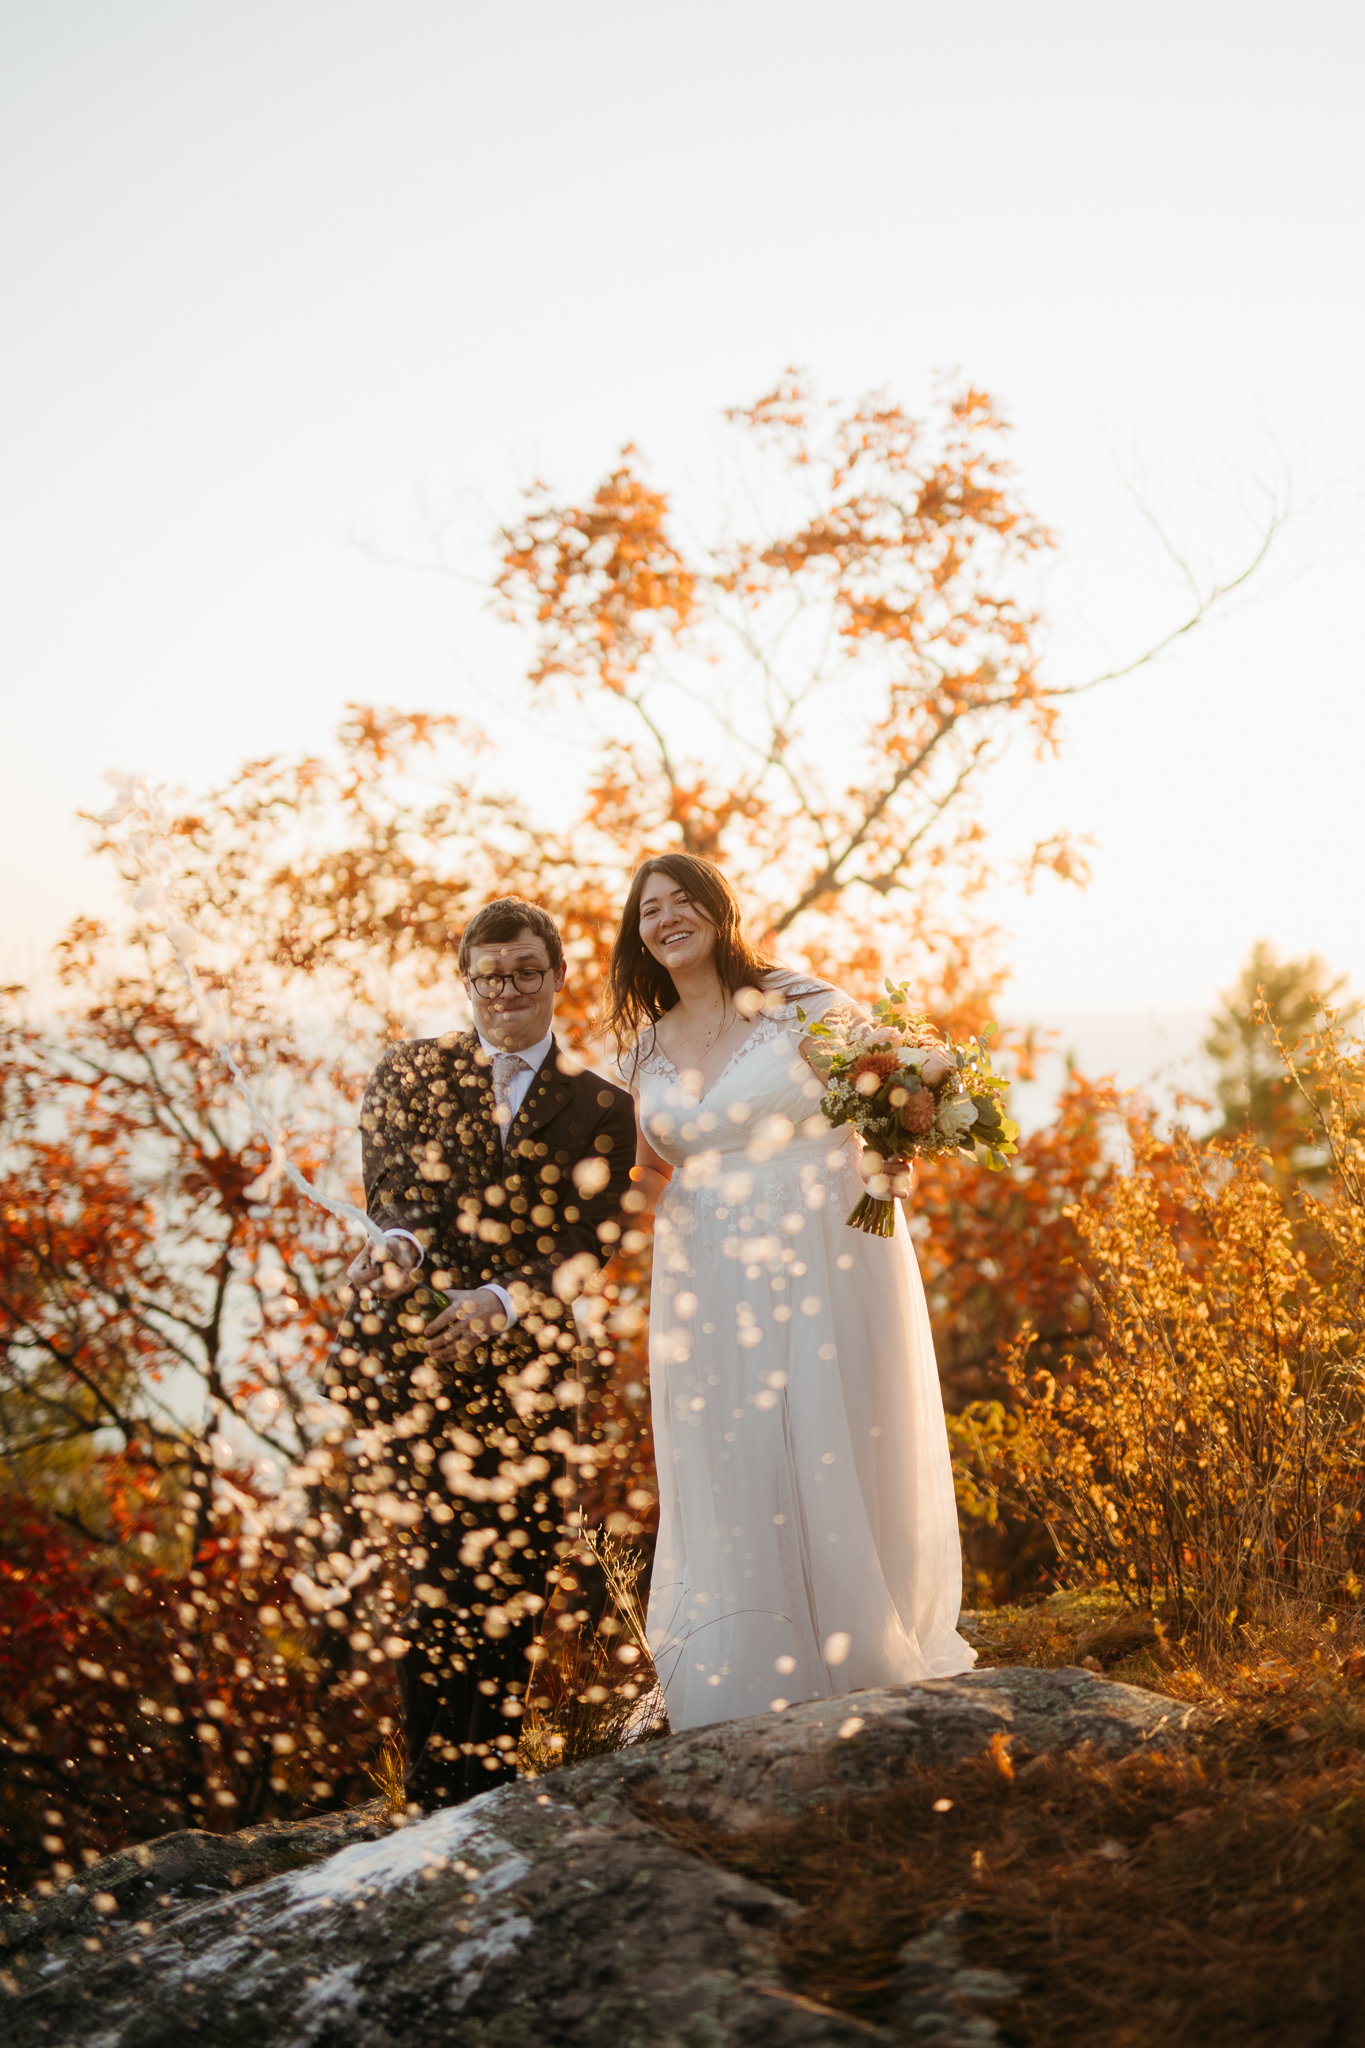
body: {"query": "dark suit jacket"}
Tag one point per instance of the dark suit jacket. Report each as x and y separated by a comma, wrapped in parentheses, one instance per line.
(434, 1163)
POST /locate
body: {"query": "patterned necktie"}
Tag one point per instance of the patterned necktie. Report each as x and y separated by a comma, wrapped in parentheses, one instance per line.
(505, 1066)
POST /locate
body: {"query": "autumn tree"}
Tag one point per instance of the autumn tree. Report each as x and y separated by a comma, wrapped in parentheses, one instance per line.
(813, 702)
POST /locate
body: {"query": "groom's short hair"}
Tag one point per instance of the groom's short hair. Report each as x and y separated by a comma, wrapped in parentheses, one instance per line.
(498, 922)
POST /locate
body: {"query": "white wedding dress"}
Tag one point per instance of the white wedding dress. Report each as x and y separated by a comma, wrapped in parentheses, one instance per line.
(808, 1540)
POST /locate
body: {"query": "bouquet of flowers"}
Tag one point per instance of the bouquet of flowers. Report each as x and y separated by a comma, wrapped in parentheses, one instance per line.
(872, 1077)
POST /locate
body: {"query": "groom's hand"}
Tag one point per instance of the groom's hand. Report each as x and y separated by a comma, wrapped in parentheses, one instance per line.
(473, 1313)
(387, 1276)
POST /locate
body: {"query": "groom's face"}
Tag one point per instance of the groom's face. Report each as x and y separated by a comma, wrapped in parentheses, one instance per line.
(515, 1017)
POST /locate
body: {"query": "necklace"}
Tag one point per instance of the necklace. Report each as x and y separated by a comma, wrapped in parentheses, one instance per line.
(718, 1032)
(717, 1036)
(693, 1059)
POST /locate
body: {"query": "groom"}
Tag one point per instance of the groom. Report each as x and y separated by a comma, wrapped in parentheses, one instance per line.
(506, 1162)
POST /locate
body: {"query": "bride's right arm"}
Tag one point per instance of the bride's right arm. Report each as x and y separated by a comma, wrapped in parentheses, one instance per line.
(649, 1177)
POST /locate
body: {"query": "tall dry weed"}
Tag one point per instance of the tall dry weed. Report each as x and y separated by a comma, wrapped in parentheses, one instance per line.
(602, 1686)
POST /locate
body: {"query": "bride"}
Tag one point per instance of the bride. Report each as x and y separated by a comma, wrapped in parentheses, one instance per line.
(808, 1539)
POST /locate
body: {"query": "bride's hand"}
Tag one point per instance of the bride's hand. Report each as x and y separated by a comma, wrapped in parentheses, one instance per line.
(885, 1177)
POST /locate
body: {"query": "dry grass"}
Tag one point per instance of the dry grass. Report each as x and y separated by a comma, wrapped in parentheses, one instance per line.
(602, 1685)
(1211, 1896)
(386, 1775)
(1094, 1628)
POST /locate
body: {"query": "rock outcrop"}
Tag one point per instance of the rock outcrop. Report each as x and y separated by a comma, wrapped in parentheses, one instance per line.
(544, 1913)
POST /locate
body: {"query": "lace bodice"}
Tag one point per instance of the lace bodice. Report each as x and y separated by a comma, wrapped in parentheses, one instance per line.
(764, 1093)
(765, 1102)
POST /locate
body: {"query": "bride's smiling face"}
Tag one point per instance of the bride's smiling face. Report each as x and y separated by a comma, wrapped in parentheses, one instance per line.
(673, 928)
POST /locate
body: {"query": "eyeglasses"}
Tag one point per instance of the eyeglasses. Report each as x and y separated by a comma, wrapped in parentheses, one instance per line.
(525, 981)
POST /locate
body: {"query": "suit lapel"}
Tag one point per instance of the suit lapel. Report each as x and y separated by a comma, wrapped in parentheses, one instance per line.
(473, 1078)
(546, 1096)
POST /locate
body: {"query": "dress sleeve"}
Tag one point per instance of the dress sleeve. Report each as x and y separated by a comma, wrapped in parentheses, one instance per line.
(815, 999)
(820, 1005)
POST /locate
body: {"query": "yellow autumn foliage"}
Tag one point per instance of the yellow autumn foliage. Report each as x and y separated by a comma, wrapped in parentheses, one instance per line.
(1204, 1451)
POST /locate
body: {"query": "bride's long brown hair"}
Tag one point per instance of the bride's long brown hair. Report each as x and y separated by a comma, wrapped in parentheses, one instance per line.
(639, 989)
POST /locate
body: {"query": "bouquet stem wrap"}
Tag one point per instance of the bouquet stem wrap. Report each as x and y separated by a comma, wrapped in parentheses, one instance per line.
(875, 1214)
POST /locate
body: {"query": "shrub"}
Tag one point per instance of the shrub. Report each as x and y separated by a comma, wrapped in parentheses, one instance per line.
(1205, 1450)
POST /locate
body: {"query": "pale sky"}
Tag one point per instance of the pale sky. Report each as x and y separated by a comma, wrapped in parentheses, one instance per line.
(271, 271)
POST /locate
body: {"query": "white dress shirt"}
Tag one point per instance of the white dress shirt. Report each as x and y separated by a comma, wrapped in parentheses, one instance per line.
(517, 1090)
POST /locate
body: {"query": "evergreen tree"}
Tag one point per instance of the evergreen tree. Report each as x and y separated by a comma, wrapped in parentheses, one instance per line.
(1257, 1093)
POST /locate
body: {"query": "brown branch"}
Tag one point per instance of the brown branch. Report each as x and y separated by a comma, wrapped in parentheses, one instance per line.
(828, 878)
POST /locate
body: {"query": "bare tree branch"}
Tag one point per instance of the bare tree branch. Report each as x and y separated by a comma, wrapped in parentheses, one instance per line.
(1207, 599)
